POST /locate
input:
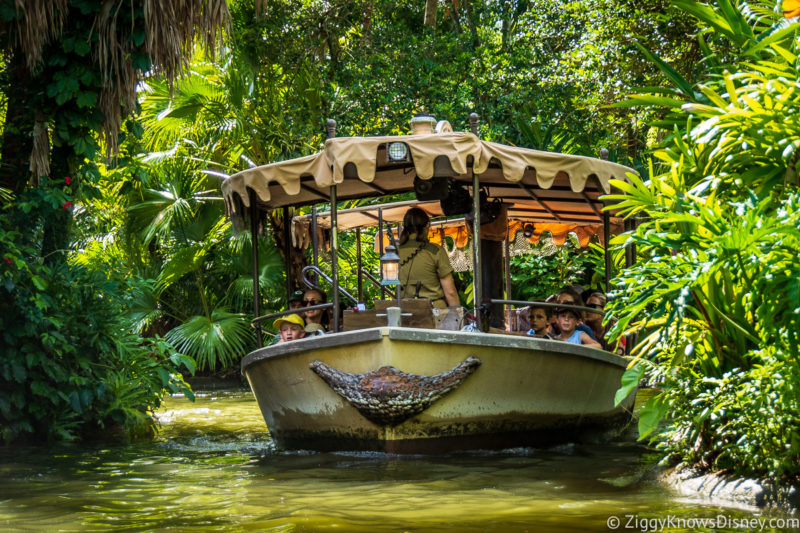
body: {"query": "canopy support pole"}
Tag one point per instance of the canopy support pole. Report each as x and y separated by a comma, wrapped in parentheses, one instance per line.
(541, 203)
(606, 232)
(254, 247)
(335, 259)
(315, 240)
(606, 250)
(358, 265)
(630, 251)
(287, 249)
(330, 127)
(379, 236)
(477, 271)
(507, 265)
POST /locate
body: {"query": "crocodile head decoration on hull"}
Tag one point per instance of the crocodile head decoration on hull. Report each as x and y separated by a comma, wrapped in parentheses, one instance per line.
(388, 396)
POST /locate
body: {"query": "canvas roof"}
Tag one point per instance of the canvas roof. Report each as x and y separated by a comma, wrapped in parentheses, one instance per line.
(543, 186)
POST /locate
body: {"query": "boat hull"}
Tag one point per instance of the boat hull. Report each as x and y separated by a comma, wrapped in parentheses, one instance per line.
(521, 392)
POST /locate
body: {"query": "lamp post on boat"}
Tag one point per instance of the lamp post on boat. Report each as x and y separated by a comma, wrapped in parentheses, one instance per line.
(390, 276)
(390, 269)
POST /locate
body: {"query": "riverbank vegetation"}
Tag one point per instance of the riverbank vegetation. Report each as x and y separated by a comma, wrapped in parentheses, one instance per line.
(121, 273)
(715, 297)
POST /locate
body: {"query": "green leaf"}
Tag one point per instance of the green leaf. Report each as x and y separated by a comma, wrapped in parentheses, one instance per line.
(189, 393)
(185, 111)
(86, 99)
(649, 99)
(75, 402)
(164, 375)
(86, 397)
(224, 337)
(771, 39)
(19, 372)
(650, 415)
(706, 14)
(138, 36)
(630, 381)
(82, 47)
(670, 72)
(182, 360)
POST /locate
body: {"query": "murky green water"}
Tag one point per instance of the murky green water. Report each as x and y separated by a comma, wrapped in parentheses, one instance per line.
(214, 469)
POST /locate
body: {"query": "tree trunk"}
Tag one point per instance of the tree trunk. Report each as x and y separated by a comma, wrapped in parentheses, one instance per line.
(296, 261)
(453, 6)
(430, 13)
(17, 142)
(471, 23)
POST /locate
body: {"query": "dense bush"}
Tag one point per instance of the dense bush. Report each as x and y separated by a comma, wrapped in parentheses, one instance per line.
(70, 368)
(744, 421)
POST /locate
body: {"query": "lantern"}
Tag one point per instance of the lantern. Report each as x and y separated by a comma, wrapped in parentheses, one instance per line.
(390, 267)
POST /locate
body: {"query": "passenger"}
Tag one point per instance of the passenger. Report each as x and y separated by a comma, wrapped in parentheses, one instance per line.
(290, 328)
(598, 300)
(568, 296)
(424, 262)
(317, 316)
(552, 320)
(540, 321)
(296, 299)
(567, 323)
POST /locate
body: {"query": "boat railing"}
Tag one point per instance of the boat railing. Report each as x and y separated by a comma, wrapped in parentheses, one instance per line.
(311, 285)
(551, 305)
(258, 320)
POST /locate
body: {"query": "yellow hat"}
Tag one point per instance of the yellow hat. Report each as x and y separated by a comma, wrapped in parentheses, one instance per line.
(292, 319)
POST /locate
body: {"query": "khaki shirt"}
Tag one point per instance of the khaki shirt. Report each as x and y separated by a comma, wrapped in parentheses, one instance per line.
(429, 265)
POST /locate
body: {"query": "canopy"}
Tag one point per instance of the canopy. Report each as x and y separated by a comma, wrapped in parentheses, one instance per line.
(543, 186)
(455, 228)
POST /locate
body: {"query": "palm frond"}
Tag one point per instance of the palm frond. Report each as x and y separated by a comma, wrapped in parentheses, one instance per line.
(223, 338)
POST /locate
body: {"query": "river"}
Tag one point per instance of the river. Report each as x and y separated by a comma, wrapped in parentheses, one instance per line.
(213, 468)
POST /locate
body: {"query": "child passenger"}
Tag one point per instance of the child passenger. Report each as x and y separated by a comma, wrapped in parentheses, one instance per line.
(568, 322)
(290, 328)
(540, 321)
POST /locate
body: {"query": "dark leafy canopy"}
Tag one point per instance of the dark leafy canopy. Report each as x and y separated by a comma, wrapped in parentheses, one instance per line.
(525, 65)
(715, 297)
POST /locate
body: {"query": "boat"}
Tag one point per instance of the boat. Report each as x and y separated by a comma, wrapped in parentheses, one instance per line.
(419, 384)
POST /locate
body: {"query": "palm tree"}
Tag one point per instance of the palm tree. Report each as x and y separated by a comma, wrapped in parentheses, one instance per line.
(201, 286)
(72, 70)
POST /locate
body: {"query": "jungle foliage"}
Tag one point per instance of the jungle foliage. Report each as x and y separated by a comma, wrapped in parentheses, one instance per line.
(71, 366)
(71, 363)
(371, 66)
(715, 298)
(145, 228)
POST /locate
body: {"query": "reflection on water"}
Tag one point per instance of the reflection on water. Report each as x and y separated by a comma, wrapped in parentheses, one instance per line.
(215, 469)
